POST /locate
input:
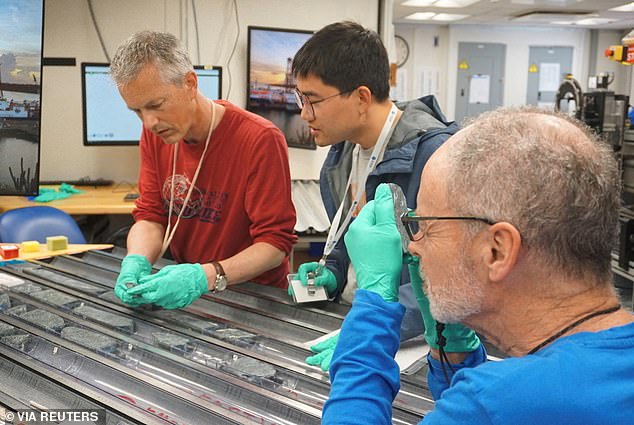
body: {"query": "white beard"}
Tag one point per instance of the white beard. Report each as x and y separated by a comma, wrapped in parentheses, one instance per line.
(459, 296)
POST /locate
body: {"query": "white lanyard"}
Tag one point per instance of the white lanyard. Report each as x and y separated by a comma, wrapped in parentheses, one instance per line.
(167, 238)
(337, 229)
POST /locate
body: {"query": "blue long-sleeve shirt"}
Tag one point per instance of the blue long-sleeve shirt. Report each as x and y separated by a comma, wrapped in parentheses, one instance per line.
(586, 378)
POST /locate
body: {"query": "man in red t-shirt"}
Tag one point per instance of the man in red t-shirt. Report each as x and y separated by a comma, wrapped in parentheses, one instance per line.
(214, 183)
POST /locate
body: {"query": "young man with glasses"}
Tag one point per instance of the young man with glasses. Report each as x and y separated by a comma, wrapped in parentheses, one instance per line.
(516, 220)
(342, 74)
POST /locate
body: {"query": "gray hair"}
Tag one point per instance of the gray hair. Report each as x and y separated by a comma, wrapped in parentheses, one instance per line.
(550, 177)
(161, 49)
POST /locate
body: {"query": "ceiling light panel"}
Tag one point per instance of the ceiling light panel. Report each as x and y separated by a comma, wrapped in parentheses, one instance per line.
(547, 17)
(420, 16)
(418, 3)
(594, 21)
(625, 8)
(448, 17)
(440, 3)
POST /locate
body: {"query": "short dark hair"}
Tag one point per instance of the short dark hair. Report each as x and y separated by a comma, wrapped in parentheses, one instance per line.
(346, 55)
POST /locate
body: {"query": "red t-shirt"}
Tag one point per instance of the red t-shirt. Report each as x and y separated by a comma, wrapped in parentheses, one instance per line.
(242, 194)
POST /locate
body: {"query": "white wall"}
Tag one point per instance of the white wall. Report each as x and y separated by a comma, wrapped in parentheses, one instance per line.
(425, 55)
(69, 32)
(518, 41)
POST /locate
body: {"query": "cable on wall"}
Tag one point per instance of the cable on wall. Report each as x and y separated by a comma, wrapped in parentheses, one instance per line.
(185, 32)
(235, 44)
(165, 15)
(221, 34)
(94, 22)
(195, 15)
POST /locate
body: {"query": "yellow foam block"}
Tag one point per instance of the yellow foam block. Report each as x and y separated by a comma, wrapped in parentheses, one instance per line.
(30, 246)
(56, 243)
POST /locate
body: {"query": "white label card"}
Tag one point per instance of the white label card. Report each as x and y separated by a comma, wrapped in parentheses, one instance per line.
(301, 293)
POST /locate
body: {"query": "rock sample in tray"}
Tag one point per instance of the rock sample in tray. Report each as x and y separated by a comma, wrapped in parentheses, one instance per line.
(16, 310)
(171, 341)
(56, 298)
(27, 288)
(249, 367)
(255, 371)
(204, 326)
(5, 302)
(44, 319)
(110, 296)
(90, 339)
(7, 329)
(106, 318)
(235, 336)
(68, 282)
(18, 341)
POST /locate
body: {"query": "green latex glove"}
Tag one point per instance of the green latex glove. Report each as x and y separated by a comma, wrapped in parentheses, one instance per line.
(460, 339)
(323, 353)
(374, 246)
(48, 195)
(173, 286)
(133, 267)
(66, 188)
(326, 277)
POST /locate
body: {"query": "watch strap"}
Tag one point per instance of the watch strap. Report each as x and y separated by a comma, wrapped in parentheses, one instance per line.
(220, 275)
(219, 270)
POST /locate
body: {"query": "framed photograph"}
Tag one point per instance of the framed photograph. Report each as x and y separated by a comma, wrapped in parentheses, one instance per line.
(271, 86)
(20, 82)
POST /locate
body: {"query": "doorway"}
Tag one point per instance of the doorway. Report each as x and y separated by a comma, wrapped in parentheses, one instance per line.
(480, 82)
(547, 68)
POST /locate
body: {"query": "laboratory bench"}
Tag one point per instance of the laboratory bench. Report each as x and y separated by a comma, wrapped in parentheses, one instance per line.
(235, 357)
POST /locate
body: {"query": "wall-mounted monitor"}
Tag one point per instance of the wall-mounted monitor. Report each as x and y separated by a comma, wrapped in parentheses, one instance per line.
(271, 86)
(107, 119)
(21, 35)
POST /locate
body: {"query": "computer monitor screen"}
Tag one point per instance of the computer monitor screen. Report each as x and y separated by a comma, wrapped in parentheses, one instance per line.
(20, 95)
(107, 119)
(209, 81)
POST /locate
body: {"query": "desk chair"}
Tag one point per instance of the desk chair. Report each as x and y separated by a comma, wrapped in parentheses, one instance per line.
(36, 223)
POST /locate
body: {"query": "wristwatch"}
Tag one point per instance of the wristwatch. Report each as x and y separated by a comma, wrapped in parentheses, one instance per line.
(221, 278)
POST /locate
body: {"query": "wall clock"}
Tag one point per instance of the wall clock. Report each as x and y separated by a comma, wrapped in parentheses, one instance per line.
(402, 50)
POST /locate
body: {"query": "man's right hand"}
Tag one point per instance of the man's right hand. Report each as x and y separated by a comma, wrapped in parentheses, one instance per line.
(325, 278)
(133, 268)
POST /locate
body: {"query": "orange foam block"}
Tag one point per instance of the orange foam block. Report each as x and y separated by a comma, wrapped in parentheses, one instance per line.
(9, 251)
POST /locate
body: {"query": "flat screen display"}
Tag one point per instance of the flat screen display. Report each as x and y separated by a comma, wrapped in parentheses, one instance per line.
(107, 119)
(271, 93)
(21, 34)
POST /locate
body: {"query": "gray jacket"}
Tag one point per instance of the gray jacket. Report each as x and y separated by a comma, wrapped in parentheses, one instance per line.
(421, 129)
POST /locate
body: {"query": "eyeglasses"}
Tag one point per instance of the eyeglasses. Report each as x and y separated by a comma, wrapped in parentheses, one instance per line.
(416, 233)
(304, 102)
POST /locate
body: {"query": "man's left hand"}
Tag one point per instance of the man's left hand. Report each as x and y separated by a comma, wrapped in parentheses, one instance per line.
(323, 353)
(173, 286)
